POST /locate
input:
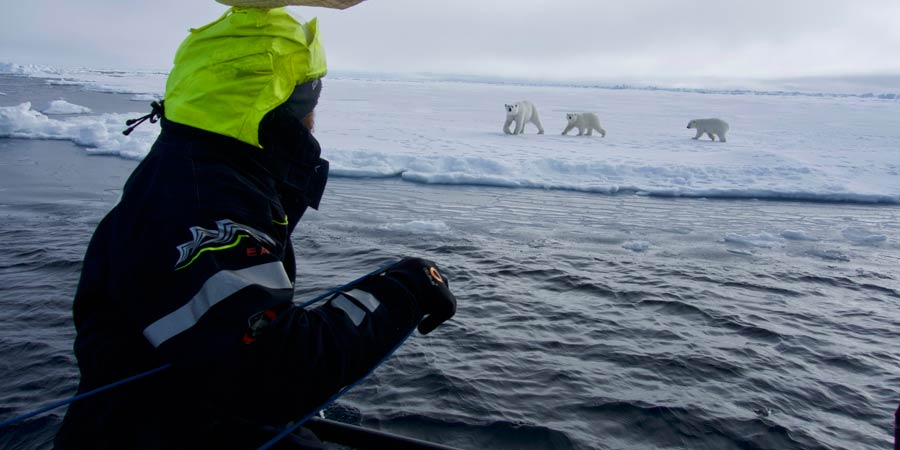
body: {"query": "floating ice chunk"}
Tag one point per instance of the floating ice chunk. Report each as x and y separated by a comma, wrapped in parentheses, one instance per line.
(861, 236)
(91, 135)
(144, 98)
(366, 164)
(831, 255)
(795, 235)
(762, 240)
(101, 134)
(20, 118)
(64, 107)
(636, 246)
(418, 227)
(27, 69)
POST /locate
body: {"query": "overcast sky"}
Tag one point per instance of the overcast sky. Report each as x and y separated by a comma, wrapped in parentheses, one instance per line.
(541, 39)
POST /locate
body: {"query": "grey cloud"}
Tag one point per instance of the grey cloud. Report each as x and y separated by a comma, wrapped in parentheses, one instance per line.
(532, 38)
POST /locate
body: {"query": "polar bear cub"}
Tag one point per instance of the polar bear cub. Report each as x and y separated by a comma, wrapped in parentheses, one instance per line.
(712, 127)
(584, 121)
(521, 113)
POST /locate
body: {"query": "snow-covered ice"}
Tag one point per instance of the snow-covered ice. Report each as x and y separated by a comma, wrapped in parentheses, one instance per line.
(636, 246)
(863, 237)
(793, 147)
(64, 107)
(417, 227)
(797, 235)
(145, 97)
(762, 239)
(100, 134)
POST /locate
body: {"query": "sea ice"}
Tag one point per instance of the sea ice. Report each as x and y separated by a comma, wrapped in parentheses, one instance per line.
(101, 134)
(64, 107)
(144, 98)
(418, 227)
(795, 235)
(762, 239)
(862, 236)
(441, 132)
(636, 246)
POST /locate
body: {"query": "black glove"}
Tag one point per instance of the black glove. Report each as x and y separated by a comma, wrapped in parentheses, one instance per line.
(430, 288)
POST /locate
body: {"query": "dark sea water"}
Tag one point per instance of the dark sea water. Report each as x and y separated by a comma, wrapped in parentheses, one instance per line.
(585, 321)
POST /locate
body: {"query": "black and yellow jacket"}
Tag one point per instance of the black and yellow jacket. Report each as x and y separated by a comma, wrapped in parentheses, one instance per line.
(194, 267)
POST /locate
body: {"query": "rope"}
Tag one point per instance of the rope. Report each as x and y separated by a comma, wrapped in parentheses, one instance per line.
(334, 397)
(74, 399)
(62, 403)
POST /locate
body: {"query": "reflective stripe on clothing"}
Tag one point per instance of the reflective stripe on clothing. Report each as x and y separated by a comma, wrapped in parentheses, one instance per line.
(350, 302)
(366, 299)
(354, 313)
(217, 288)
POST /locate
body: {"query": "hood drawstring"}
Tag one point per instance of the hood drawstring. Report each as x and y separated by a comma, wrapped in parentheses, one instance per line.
(154, 116)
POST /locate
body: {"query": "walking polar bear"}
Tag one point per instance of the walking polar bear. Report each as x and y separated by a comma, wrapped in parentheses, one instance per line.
(584, 121)
(712, 127)
(521, 113)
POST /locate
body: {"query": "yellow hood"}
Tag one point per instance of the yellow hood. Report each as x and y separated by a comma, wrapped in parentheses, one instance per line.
(232, 72)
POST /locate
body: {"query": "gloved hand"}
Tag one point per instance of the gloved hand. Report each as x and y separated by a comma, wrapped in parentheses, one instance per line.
(430, 288)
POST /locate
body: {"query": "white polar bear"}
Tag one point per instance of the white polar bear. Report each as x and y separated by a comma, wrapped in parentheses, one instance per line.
(522, 113)
(717, 127)
(584, 121)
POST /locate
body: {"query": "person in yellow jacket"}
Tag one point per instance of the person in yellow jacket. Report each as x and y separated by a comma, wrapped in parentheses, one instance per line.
(194, 268)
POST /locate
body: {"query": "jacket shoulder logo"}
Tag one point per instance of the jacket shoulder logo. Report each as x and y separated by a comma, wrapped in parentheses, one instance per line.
(228, 234)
